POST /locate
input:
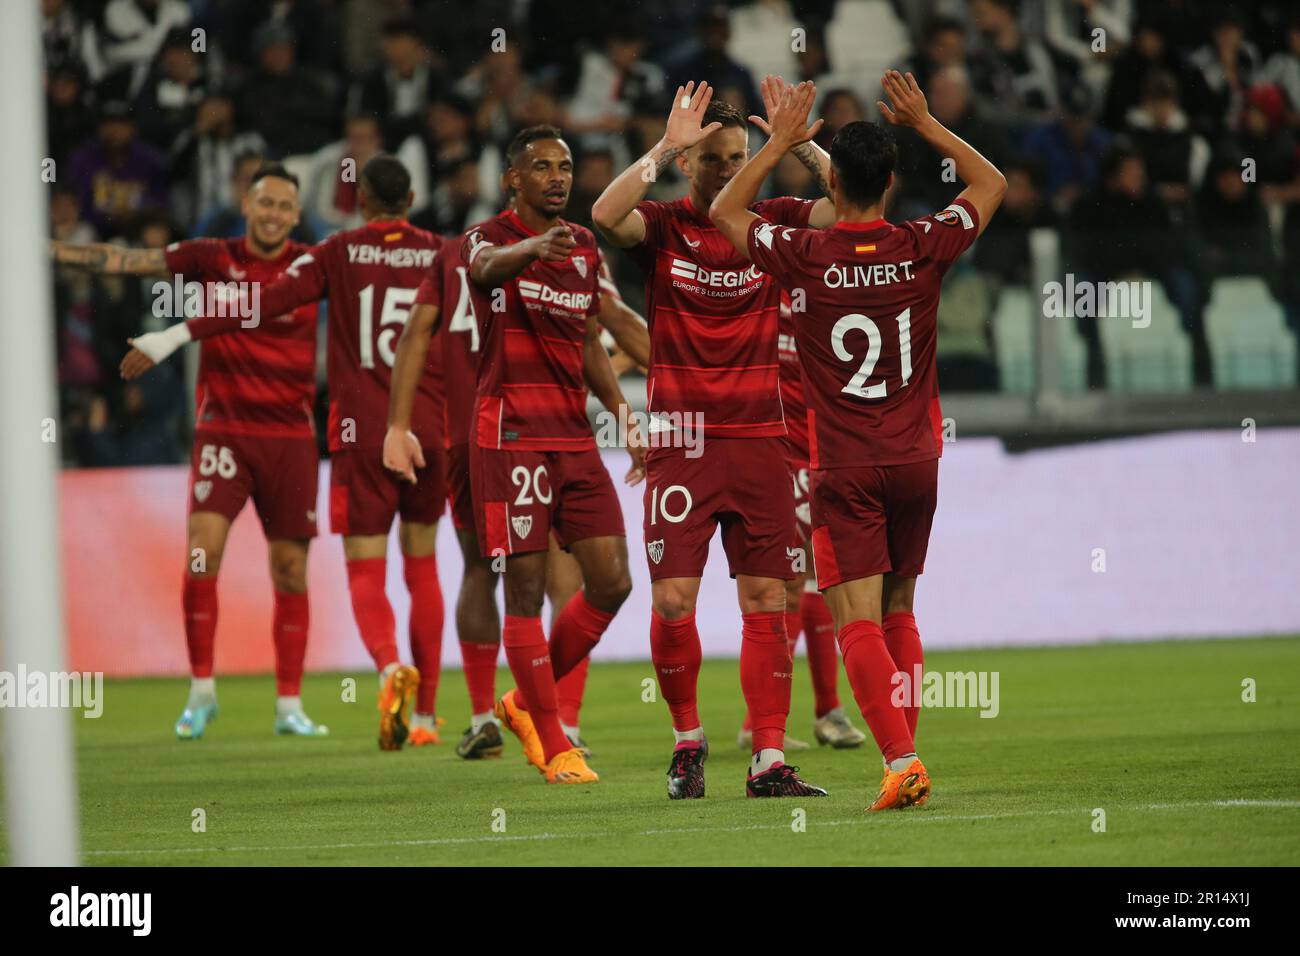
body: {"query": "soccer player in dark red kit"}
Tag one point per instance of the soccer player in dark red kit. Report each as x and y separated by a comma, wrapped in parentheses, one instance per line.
(253, 438)
(867, 343)
(369, 276)
(447, 292)
(713, 337)
(533, 459)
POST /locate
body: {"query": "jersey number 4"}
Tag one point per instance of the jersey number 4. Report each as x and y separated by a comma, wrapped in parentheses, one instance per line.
(857, 385)
(396, 310)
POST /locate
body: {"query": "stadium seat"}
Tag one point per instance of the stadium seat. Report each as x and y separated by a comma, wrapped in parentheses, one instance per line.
(863, 39)
(1157, 358)
(1249, 340)
(1013, 343)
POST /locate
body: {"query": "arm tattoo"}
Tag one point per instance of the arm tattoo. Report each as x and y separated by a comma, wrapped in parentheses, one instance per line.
(808, 156)
(665, 160)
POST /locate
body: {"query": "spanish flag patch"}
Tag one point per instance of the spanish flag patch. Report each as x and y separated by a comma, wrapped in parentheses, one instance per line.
(392, 236)
(860, 248)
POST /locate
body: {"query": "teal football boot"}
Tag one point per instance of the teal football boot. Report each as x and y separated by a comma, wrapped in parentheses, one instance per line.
(297, 724)
(195, 718)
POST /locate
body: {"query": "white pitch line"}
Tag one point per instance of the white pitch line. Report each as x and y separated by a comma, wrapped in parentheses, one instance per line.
(911, 817)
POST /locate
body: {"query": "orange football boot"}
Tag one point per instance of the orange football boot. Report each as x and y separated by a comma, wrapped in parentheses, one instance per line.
(394, 706)
(521, 725)
(569, 767)
(903, 788)
(420, 737)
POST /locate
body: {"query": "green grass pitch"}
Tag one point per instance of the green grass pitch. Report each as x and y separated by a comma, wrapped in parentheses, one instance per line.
(1156, 735)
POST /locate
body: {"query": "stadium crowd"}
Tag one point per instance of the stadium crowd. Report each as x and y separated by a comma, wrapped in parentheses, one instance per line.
(1157, 137)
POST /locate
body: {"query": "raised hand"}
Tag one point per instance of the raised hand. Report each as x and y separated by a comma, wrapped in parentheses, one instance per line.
(771, 88)
(910, 108)
(555, 244)
(685, 122)
(787, 118)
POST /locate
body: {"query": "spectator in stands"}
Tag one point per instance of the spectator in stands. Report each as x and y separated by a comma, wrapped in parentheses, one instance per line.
(204, 158)
(69, 116)
(329, 186)
(292, 108)
(710, 62)
(943, 44)
(116, 174)
(1234, 233)
(61, 34)
(1070, 149)
(457, 202)
(448, 142)
(1265, 139)
(1227, 65)
(1088, 33)
(171, 94)
(1283, 70)
(398, 88)
(1175, 155)
(839, 107)
(130, 35)
(1003, 250)
(1123, 230)
(1150, 52)
(928, 184)
(761, 34)
(1021, 81)
(613, 80)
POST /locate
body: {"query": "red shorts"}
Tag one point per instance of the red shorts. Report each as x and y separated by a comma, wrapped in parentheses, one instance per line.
(365, 496)
(458, 488)
(520, 497)
(741, 484)
(872, 520)
(279, 474)
(799, 477)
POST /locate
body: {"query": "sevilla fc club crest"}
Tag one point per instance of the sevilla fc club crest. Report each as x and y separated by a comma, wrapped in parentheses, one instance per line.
(580, 264)
(201, 491)
(655, 549)
(522, 524)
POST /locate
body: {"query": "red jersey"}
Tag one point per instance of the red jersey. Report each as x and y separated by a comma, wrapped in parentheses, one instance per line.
(791, 375)
(370, 276)
(712, 318)
(251, 384)
(460, 340)
(532, 394)
(866, 338)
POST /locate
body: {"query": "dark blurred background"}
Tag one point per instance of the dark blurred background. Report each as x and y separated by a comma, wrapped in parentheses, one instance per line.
(1150, 140)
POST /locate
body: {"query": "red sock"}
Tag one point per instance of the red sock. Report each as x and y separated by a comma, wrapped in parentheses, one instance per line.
(765, 677)
(199, 601)
(530, 663)
(675, 650)
(793, 625)
(373, 613)
(289, 632)
(575, 632)
(568, 691)
(871, 671)
(480, 663)
(904, 643)
(426, 627)
(823, 655)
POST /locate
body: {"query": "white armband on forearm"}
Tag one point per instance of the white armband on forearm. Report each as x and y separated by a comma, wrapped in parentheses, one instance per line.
(159, 345)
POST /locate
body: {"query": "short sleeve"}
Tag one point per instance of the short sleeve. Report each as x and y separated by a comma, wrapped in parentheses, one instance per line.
(598, 283)
(475, 241)
(192, 255)
(656, 215)
(779, 251)
(785, 211)
(946, 234)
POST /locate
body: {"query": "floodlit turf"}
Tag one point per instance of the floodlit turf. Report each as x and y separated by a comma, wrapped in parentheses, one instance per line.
(1156, 735)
